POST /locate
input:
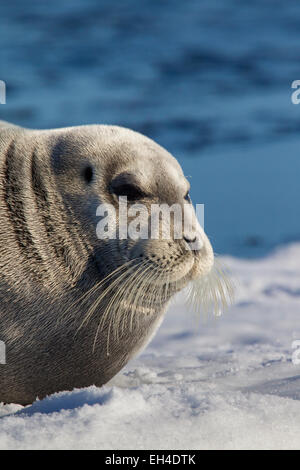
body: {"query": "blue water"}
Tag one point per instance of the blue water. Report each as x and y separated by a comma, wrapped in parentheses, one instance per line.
(209, 80)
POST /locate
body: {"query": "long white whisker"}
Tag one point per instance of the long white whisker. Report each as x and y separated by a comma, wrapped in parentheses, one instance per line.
(108, 310)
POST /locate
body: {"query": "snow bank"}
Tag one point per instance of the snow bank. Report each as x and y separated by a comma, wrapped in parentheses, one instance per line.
(229, 383)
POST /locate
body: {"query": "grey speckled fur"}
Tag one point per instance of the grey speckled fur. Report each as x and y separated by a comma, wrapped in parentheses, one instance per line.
(50, 255)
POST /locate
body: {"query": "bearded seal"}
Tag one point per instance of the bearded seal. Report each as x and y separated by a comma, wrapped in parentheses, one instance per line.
(75, 308)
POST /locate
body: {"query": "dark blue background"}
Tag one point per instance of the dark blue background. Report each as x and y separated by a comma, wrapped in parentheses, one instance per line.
(209, 80)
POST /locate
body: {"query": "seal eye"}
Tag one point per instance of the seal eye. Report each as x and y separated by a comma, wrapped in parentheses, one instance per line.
(125, 184)
(187, 197)
(88, 174)
(132, 191)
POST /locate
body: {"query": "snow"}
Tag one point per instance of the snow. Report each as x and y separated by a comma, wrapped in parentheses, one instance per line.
(225, 383)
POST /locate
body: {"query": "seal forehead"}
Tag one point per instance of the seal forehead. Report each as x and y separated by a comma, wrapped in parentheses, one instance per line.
(114, 150)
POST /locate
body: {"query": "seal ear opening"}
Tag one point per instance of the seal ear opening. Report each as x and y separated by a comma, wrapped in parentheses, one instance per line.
(88, 174)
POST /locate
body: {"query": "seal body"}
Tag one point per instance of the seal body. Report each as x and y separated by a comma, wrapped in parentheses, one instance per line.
(66, 319)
